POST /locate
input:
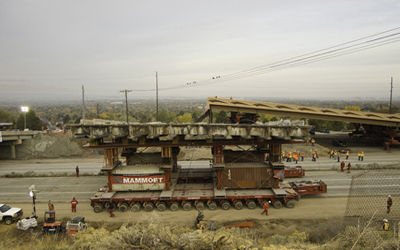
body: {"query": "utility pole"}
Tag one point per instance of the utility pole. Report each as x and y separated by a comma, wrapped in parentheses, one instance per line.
(83, 102)
(98, 108)
(156, 97)
(391, 89)
(126, 102)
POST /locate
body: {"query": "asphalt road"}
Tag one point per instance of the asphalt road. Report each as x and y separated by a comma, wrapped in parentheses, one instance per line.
(63, 189)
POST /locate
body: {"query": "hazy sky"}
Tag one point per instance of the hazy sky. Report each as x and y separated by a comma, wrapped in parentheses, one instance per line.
(49, 49)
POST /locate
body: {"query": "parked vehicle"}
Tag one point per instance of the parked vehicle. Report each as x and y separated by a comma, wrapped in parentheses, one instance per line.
(9, 214)
(28, 222)
(50, 224)
(76, 225)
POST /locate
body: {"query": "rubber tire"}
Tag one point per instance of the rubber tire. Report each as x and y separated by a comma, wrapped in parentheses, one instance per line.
(123, 207)
(212, 206)
(251, 205)
(136, 207)
(174, 206)
(8, 221)
(200, 206)
(149, 207)
(238, 205)
(290, 204)
(98, 208)
(225, 205)
(277, 204)
(161, 207)
(187, 206)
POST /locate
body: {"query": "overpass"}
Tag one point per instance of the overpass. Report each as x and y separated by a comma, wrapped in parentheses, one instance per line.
(14, 138)
(377, 124)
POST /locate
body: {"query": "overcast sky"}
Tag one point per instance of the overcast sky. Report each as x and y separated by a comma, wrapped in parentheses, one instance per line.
(49, 49)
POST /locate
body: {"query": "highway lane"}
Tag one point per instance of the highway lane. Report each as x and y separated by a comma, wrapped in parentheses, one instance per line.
(58, 189)
(86, 165)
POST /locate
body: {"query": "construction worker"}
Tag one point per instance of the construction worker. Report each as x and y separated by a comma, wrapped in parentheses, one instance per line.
(77, 171)
(312, 142)
(316, 154)
(348, 167)
(110, 209)
(385, 225)
(74, 202)
(51, 206)
(331, 155)
(359, 155)
(338, 157)
(265, 207)
(287, 157)
(342, 164)
(302, 156)
(389, 203)
(296, 157)
(334, 155)
(362, 155)
(347, 154)
(290, 157)
(283, 156)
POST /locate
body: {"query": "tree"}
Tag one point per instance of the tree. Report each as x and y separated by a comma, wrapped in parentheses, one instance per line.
(195, 115)
(274, 119)
(32, 121)
(186, 118)
(165, 116)
(221, 117)
(5, 117)
(355, 108)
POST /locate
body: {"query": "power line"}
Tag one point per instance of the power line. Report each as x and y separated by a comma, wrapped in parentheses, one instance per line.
(319, 55)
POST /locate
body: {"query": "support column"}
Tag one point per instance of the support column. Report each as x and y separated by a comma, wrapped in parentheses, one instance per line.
(218, 163)
(167, 179)
(13, 154)
(275, 152)
(110, 157)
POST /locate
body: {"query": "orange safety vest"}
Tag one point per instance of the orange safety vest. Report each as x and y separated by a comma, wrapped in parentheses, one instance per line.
(385, 226)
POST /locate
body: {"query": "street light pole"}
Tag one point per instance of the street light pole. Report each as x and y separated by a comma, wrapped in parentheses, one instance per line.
(24, 109)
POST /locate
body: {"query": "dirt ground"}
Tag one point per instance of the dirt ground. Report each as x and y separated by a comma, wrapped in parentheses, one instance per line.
(305, 209)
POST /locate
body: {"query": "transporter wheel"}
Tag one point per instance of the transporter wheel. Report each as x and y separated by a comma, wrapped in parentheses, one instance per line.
(123, 207)
(187, 206)
(98, 208)
(251, 205)
(225, 205)
(149, 207)
(277, 204)
(238, 205)
(174, 206)
(200, 206)
(212, 206)
(136, 207)
(161, 207)
(290, 204)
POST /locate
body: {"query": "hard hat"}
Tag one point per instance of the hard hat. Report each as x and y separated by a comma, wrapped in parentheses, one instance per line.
(269, 201)
(385, 220)
(389, 195)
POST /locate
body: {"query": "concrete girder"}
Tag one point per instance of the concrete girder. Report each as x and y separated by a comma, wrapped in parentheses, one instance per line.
(178, 132)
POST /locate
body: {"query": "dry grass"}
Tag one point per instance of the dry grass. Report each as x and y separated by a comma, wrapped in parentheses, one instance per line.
(153, 233)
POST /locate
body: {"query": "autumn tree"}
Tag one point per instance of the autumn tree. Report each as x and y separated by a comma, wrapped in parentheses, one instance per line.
(32, 121)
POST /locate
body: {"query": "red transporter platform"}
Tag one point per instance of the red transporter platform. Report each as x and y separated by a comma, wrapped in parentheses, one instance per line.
(242, 184)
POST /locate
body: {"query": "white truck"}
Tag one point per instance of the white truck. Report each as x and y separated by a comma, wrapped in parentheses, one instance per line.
(9, 214)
